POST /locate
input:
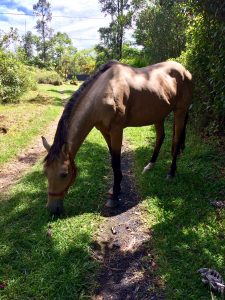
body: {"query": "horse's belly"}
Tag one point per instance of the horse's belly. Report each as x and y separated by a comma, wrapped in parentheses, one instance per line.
(143, 114)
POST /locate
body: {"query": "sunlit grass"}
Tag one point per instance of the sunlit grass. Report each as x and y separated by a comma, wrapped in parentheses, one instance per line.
(188, 233)
(29, 118)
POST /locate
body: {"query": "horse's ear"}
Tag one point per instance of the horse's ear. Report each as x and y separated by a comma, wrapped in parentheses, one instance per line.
(45, 143)
(65, 149)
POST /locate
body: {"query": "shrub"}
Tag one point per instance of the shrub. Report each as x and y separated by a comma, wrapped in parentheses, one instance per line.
(204, 57)
(74, 80)
(15, 78)
(48, 77)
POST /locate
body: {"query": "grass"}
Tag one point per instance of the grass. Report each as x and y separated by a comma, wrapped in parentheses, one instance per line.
(188, 230)
(188, 233)
(28, 119)
(36, 266)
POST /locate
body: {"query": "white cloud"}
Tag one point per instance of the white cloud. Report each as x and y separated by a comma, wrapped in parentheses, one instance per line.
(83, 31)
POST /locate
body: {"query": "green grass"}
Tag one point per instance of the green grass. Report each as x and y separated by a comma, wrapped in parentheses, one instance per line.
(188, 233)
(29, 118)
(35, 266)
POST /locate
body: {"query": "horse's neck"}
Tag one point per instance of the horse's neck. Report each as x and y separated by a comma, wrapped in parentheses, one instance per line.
(81, 124)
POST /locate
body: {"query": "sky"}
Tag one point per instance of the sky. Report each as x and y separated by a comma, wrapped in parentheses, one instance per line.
(80, 19)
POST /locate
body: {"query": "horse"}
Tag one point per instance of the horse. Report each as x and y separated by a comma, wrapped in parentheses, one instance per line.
(113, 98)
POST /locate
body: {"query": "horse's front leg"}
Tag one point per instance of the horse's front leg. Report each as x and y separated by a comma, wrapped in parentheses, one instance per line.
(116, 143)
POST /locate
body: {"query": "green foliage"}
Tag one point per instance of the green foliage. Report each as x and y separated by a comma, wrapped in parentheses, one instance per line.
(74, 80)
(29, 41)
(84, 62)
(192, 32)
(161, 31)
(15, 78)
(42, 10)
(48, 77)
(133, 56)
(204, 57)
(7, 39)
(113, 37)
(186, 228)
(62, 53)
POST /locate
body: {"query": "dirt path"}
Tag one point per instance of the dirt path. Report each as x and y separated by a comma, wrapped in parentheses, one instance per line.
(12, 171)
(122, 246)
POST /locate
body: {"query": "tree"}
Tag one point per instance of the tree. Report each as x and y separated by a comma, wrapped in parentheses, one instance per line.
(28, 44)
(160, 29)
(112, 37)
(85, 62)
(60, 44)
(7, 39)
(43, 10)
(133, 56)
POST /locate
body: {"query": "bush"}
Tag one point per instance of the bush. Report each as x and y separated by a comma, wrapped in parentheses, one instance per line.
(48, 77)
(15, 78)
(74, 80)
(204, 57)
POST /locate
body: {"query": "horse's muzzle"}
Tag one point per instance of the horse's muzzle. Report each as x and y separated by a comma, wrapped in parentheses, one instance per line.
(55, 207)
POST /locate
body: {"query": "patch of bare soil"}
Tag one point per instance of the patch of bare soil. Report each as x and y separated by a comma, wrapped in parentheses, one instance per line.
(122, 247)
(12, 171)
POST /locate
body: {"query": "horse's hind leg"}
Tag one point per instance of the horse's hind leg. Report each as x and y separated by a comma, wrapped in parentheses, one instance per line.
(160, 135)
(180, 121)
(116, 143)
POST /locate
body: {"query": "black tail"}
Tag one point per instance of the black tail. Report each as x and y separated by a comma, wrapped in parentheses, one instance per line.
(183, 134)
(182, 137)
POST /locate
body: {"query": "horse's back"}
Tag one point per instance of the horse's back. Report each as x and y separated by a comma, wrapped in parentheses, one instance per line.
(141, 96)
(155, 91)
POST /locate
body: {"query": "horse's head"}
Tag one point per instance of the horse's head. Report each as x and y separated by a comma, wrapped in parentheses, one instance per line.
(61, 173)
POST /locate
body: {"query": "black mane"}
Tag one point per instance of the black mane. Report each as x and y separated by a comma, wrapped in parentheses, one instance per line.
(62, 130)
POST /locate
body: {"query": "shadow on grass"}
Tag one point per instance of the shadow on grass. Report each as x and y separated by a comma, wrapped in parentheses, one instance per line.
(46, 100)
(63, 92)
(188, 231)
(56, 266)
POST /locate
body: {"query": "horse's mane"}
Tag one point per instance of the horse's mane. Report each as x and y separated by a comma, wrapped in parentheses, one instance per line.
(62, 130)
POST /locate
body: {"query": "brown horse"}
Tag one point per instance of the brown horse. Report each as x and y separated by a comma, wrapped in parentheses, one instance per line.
(115, 97)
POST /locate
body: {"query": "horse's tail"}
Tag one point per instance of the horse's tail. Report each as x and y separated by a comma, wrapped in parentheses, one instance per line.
(183, 135)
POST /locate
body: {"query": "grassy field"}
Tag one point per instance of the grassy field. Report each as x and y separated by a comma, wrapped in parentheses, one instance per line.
(28, 119)
(188, 232)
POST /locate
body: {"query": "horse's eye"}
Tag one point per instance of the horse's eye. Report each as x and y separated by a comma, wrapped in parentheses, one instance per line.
(63, 175)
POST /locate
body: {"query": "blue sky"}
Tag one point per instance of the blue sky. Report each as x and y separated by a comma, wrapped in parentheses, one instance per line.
(83, 29)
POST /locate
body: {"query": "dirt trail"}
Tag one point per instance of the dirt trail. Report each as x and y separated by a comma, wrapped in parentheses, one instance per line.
(12, 171)
(122, 246)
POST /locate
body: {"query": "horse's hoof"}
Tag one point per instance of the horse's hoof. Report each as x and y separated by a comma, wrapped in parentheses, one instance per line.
(169, 177)
(110, 191)
(148, 167)
(112, 203)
